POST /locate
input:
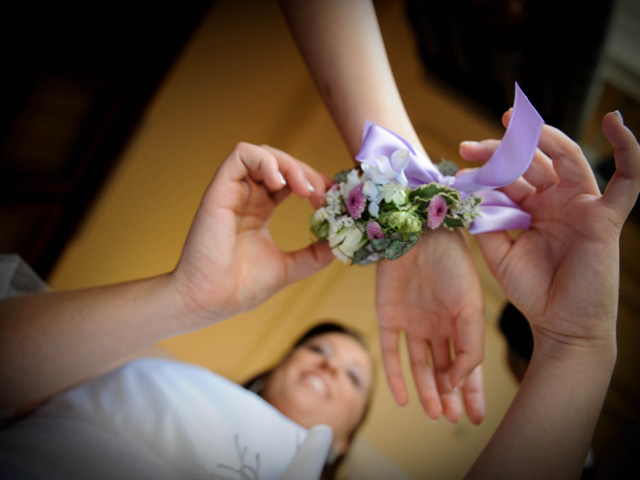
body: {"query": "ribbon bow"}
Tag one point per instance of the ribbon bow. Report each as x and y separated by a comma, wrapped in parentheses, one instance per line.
(510, 160)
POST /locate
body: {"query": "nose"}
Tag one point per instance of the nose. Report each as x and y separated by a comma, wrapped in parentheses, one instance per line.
(331, 363)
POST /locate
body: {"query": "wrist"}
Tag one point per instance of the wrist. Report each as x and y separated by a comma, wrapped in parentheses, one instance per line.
(597, 352)
(192, 310)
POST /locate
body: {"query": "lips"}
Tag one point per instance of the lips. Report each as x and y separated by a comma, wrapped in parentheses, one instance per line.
(318, 383)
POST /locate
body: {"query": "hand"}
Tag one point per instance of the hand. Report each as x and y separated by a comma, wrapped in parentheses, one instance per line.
(433, 294)
(563, 272)
(230, 263)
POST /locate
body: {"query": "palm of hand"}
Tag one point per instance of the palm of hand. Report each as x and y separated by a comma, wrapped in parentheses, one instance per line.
(446, 290)
(433, 294)
(245, 268)
(545, 266)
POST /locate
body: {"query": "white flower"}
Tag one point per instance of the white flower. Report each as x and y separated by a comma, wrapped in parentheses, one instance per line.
(400, 161)
(333, 197)
(353, 180)
(394, 193)
(321, 214)
(345, 243)
(374, 209)
(468, 209)
(385, 171)
(370, 190)
(335, 224)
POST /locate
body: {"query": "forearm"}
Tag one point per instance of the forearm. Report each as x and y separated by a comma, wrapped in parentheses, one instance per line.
(345, 53)
(49, 342)
(547, 431)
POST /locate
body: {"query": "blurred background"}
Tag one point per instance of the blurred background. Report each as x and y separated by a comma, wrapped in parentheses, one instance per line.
(113, 120)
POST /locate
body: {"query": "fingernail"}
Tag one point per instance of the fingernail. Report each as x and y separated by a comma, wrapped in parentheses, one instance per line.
(310, 187)
(282, 180)
(619, 116)
(468, 142)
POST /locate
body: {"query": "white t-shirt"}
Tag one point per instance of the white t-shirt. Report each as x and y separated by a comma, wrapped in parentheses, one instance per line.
(152, 419)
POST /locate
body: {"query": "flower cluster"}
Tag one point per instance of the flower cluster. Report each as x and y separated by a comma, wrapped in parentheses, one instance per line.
(371, 213)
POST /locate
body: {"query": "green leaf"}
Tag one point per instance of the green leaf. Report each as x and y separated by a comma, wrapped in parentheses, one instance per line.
(320, 228)
(395, 250)
(426, 192)
(361, 255)
(452, 198)
(452, 222)
(399, 248)
(380, 243)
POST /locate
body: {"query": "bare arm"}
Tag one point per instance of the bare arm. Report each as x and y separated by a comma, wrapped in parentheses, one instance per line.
(345, 53)
(49, 342)
(433, 293)
(53, 340)
(563, 274)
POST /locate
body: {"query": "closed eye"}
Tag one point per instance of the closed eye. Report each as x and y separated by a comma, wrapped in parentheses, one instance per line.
(317, 348)
(355, 379)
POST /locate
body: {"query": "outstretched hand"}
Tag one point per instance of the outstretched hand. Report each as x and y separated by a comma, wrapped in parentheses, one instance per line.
(563, 272)
(433, 294)
(230, 263)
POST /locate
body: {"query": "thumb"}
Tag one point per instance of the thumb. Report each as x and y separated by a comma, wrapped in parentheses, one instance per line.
(494, 247)
(307, 261)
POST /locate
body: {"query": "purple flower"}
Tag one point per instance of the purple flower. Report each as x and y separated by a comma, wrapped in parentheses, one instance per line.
(436, 212)
(356, 202)
(374, 231)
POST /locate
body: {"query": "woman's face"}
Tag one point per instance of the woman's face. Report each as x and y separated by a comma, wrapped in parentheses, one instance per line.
(325, 380)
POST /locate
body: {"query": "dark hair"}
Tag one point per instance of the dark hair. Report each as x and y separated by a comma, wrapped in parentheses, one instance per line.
(256, 383)
(516, 330)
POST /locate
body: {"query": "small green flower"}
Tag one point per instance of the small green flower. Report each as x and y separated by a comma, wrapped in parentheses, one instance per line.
(319, 227)
(404, 222)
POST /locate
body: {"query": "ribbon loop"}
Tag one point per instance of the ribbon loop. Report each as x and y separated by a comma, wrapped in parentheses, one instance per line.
(511, 160)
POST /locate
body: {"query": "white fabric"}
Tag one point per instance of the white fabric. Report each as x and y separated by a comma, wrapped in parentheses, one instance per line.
(155, 419)
(18, 278)
(310, 459)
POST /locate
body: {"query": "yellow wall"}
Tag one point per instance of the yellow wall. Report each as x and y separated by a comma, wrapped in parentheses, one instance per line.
(241, 79)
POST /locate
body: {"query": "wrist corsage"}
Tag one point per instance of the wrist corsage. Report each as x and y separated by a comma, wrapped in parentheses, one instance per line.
(379, 210)
(371, 213)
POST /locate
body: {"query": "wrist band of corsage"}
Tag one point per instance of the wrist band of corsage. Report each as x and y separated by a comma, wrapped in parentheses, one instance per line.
(379, 210)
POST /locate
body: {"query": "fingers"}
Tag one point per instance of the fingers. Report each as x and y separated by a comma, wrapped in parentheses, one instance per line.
(424, 378)
(307, 261)
(473, 396)
(451, 407)
(540, 175)
(478, 151)
(519, 190)
(622, 191)
(303, 180)
(566, 163)
(389, 341)
(247, 160)
(469, 348)
(272, 167)
(569, 162)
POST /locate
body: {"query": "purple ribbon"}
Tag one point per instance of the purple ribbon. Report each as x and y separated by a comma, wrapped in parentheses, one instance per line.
(510, 160)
